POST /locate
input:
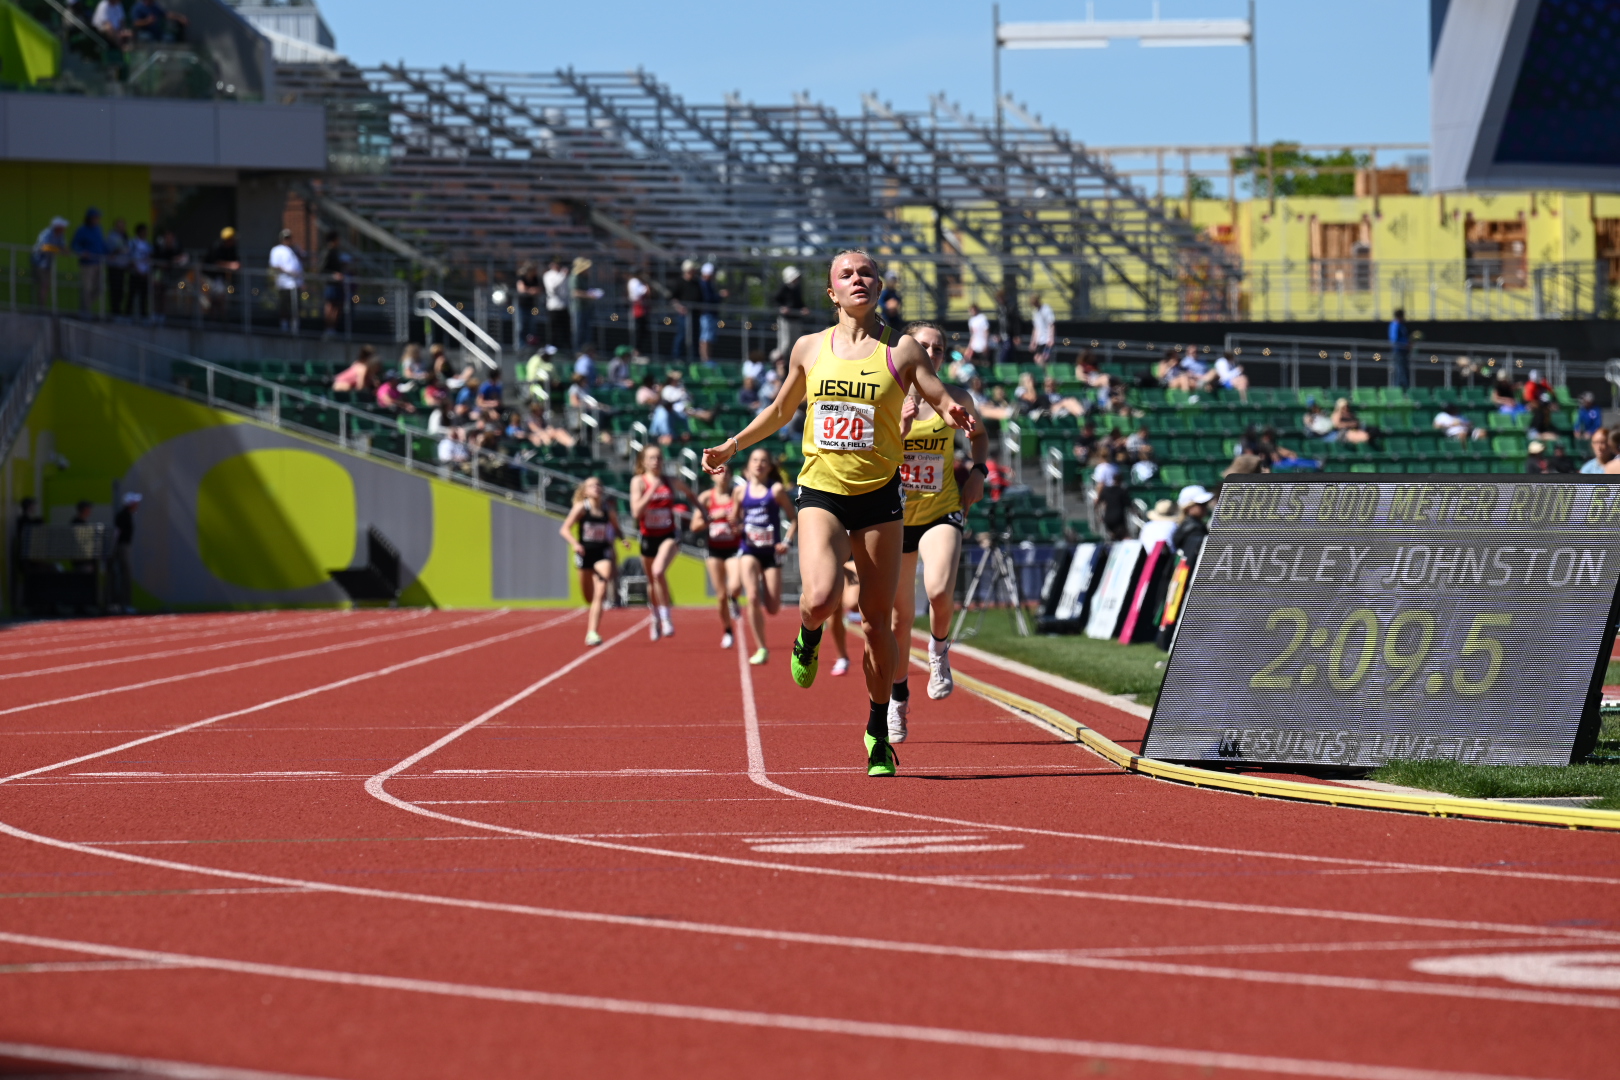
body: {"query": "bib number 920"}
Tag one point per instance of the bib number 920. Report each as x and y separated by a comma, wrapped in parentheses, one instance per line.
(844, 425)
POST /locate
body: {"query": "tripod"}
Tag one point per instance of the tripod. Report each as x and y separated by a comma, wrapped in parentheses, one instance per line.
(1002, 586)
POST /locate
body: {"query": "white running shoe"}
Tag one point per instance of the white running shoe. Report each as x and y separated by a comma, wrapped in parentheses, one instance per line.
(840, 665)
(669, 626)
(652, 631)
(897, 719)
(725, 642)
(940, 683)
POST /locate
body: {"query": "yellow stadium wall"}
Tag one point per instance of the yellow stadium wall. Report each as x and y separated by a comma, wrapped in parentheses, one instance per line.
(32, 192)
(237, 514)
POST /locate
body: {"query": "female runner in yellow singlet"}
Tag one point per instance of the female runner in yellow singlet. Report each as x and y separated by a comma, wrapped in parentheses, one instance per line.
(934, 509)
(853, 378)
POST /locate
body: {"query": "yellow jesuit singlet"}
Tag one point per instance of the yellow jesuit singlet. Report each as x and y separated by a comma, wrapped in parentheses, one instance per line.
(929, 471)
(852, 420)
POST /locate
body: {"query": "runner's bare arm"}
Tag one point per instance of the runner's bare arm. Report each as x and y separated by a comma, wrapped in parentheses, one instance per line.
(911, 365)
(774, 416)
(640, 495)
(567, 527)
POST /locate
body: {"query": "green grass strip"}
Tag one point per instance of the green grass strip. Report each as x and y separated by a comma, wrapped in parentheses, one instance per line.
(1508, 781)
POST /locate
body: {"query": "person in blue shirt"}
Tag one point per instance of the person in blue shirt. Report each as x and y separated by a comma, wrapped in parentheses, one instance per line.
(90, 245)
(1588, 417)
(1400, 349)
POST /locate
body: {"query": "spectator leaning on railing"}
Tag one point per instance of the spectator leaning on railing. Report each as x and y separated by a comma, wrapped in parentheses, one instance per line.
(117, 266)
(52, 241)
(140, 274)
(90, 245)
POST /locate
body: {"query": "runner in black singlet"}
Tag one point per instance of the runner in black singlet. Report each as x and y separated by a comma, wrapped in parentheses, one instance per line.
(591, 527)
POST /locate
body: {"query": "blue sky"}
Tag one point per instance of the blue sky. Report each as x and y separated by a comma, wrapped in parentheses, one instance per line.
(1330, 71)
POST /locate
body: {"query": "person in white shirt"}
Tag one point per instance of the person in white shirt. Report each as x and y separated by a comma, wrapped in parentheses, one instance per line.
(289, 270)
(1160, 526)
(1454, 426)
(555, 283)
(1189, 372)
(978, 333)
(637, 291)
(1230, 377)
(1043, 329)
(110, 23)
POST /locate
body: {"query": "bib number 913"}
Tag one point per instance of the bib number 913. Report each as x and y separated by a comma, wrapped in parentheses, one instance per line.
(1344, 656)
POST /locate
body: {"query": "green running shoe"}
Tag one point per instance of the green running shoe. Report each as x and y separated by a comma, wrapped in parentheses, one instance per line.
(881, 760)
(805, 660)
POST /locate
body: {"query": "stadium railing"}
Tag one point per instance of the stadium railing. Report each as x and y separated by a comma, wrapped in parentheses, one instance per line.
(386, 438)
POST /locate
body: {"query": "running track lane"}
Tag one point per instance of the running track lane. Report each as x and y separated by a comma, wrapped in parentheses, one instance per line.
(719, 892)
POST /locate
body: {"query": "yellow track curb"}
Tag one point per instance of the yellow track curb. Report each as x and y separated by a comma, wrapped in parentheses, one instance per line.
(1438, 806)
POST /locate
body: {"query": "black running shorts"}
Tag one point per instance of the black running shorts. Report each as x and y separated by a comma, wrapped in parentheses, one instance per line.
(651, 544)
(857, 512)
(914, 533)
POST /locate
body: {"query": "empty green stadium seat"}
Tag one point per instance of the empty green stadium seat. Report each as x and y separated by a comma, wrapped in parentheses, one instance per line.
(1508, 446)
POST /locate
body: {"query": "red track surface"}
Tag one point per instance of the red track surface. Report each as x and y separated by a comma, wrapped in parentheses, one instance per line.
(443, 845)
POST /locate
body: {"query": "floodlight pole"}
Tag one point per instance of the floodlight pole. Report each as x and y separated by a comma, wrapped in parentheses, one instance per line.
(1254, 88)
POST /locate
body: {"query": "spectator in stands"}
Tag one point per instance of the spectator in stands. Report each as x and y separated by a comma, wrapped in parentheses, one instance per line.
(1086, 370)
(1054, 404)
(647, 392)
(996, 478)
(1137, 441)
(1537, 389)
(1267, 446)
(582, 301)
(1043, 329)
(1190, 373)
(1400, 349)
(753, 367)
(994, 408)
(453, 449)
(1229, 376)
(1144, 470)
(411, 365)
(1160, 527)
(686, 297)
(790, 312)
(364, 374)
(528, 301)
(540, 430)
(439, 361)
(51, 242)
(709, 313)
(1168, 367)
(585, 364)
(771, 383)
(668, 421)
(1086, 443)
(221, 261)
(1453, 426)
(978, 326)
(1244, 464)
(1588, 417)
(962, 370)
(618, 372)
(110, 22)
(1507, 399)
(334, 272)
(1559, 462)
(117, 267)
(748, 395)
(151, 21)
(555, 282)
(444, 417)
(391, 395)
(1317, 424)
(90, 245)
(490, 391)
(1612, 465)
(1194, 502)
(1113, 501)
(1603, 452)
(288, 268)
(1347, 423)
(1026, 398)
(140, 274)
(637, 291)
(1536, 458)
(889, 300)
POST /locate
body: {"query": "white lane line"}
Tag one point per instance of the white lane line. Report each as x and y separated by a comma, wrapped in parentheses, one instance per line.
(818, 1025)
(261, 662)
(124, 1064)
(137, 627)
(758, 775)
(139, 641)
(297, 695)
(237, 643)
(71, 967)
(188, 776)
(571, 772)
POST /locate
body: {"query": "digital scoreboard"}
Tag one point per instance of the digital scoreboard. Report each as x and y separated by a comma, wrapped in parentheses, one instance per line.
(1345, 621)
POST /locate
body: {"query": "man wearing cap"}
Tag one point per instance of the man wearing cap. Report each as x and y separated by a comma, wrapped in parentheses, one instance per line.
(90, 245)
(709, 313)
(222, 259)
(289, 271)
(1194, 501)
(1160, 527)
(118, 566)
(52, 241)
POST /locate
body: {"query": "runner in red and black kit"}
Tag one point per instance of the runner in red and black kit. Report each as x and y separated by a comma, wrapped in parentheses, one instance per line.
(652, 504)
(716, 516)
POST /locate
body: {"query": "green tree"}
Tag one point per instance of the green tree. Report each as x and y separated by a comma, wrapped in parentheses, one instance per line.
(1299, 173)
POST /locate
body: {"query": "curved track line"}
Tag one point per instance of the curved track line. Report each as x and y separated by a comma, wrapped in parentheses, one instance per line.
(758, 774)
(757, 762)
(126, 1065)
(820, 1025)
(309, 625)
(246, 664)
(1060, 958)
